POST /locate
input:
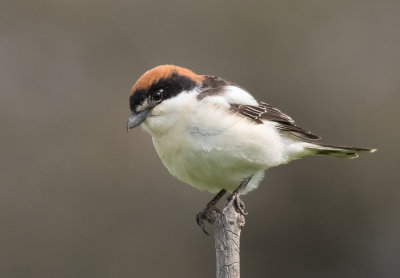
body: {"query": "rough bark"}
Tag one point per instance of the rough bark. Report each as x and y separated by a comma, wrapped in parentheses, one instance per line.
(227, 226)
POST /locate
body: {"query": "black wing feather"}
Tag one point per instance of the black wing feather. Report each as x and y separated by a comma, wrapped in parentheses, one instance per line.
(264, 111)
(213, 85)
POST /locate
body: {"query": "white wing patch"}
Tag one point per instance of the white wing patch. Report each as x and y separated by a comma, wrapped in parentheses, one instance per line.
(234, 94)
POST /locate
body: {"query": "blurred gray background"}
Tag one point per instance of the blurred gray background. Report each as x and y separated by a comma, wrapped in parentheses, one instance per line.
(80, 197)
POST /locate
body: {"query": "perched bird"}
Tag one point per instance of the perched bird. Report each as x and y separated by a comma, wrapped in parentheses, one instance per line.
(214, 135)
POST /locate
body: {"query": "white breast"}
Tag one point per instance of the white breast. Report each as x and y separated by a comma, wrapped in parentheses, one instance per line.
(206, 146)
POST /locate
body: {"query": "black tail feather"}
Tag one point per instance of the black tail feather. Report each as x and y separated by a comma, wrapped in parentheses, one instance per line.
(338, 151)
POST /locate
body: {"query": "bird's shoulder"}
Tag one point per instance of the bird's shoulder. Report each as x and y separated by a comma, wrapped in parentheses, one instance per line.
(239, 101)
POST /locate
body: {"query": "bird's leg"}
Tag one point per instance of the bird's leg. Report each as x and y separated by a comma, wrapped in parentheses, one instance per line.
(204, 214)
(234, 197)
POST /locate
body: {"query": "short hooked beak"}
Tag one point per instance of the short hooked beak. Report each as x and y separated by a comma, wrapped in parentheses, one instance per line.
(136, 119)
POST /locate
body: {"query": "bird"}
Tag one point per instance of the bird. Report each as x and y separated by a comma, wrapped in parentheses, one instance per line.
(214, 135)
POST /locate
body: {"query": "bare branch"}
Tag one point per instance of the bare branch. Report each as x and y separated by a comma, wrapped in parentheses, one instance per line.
(227, 226)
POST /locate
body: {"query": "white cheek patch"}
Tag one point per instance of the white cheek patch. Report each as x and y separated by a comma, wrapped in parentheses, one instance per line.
(157, 110)
(171, 114)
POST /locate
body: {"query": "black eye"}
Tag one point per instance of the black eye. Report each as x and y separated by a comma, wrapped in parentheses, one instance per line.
(158, 95)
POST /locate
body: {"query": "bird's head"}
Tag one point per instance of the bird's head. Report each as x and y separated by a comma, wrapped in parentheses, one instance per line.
(155, 88)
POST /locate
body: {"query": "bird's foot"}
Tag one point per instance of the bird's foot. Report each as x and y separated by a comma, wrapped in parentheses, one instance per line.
(206, 214)
(238, 203)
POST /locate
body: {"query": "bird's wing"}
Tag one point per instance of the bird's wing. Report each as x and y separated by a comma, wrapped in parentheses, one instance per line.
(244, 104)
(264, 111)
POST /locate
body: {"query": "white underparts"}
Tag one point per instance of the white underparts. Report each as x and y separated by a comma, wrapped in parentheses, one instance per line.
(204, 144)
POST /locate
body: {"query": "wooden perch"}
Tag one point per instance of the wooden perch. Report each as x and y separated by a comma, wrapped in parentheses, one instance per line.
(227, 226)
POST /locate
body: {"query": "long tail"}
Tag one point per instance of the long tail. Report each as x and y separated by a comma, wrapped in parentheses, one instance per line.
(337, 151)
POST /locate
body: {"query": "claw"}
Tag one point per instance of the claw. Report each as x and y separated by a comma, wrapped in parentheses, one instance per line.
(200, 222)
(238, 203)
(205, 215)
